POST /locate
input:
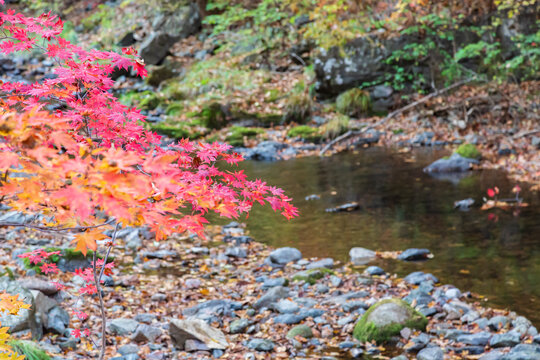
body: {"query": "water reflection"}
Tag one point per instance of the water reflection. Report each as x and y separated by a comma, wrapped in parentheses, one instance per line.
(402, 207)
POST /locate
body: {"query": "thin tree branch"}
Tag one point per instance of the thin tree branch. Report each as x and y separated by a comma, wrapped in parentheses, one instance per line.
(54, 228)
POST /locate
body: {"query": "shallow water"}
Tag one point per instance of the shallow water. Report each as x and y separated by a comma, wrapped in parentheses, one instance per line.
(401, 207)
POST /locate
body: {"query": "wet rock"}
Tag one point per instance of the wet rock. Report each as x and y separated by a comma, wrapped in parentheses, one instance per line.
(323, 263)
(285, 255)
(300, 330)
(464, 205)
(260, 344)
(511, 338)
(414, 254)
(123, 326)
(374, 270)
(455, 163)
(361, 256)
(387, 318)
(430, 353)
(238, 326)
(344, 208)
(271, 296)
(57, 320)
(417, 277)
(481, 339)
(195, 329)
(146, 333)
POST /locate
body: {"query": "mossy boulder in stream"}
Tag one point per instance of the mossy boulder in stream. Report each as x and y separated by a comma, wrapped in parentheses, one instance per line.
(468, 151)
(386, 319)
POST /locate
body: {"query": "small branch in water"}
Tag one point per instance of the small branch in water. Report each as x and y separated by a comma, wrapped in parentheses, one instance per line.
(412, 105)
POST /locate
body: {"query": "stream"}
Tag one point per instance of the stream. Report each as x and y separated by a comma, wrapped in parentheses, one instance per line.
(401, 207)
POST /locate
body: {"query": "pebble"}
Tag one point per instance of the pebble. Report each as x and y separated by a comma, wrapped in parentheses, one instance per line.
(260, 345)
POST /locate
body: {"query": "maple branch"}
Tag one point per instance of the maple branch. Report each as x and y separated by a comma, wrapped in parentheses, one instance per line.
(394, 113)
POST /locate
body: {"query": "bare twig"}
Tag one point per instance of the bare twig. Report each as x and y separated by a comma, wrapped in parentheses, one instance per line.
(525, 133)
(412, 105)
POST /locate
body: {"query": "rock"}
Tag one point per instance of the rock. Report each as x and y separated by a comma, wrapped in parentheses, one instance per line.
(271, 296)
(452, 293)
(521, 325)
(192, 283)
(535, 142)
(192, 345)
(323, 263)
(46, 287)
(285, 306)
(351, 306)
(161, 254)
(374, 270)
(511, 338)
(273, 282)
(145, 318)
(211, 309)
(123, 326)
(311, 276)
(168, 29)
(387, 318)
(57, 320)
(146, 333)
(382, 91)
(236, 252)
(336, 281)
(161, 73)
(498, 322)
(264, 151)
(417, 277)
(43, 305)
(414, 254)
(195, 329)
(300, 330)
(464, 205)
(127, 40)
(238, 326)
(128, 349)
(523, 352)
(479, 339)
(26, 318)
(492, 355)
(417, 343)
(430, 353)
(455, 163)
(158, 297)
(344, 208)
(260, 344)
(289, 319)
(285, 255)
(361, 256)
(312, 197)
(470, 316)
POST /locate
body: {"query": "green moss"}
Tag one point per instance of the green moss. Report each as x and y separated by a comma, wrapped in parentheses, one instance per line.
(213, 116)
(174, 109)
(29, 349)
(238, 133)
(304, 132)
(300, 330)
(353, 102)
(367, 331)
(312, 275)
(145, 100)
(178, 130)
(149, 101)
(468, 151)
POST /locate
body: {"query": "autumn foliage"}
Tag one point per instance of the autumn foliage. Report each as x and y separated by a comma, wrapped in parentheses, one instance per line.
(73, 153)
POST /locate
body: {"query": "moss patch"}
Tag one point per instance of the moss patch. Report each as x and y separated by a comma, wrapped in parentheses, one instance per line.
(312, 275)
(304, 132)
(300, 330)
(336, 126)
(366, 330)
(238, 133)
(353, 102)
(179, 130)
(468, 151)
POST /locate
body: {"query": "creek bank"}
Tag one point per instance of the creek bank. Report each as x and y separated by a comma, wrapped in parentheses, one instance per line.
(275, 302)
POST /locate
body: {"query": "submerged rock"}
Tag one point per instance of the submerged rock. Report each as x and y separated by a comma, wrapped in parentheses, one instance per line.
(414, 254)
(387, 318)
(344, 208)
(454, 163)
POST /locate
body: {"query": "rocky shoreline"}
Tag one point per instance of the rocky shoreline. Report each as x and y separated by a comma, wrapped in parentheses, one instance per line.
(231, 297)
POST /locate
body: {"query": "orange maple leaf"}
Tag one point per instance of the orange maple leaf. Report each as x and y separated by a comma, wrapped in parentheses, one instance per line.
(87, 240)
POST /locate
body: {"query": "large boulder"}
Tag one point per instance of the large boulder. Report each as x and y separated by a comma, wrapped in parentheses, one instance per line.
(26, 318)
(386, 319)
(195, 329)
(168, 29)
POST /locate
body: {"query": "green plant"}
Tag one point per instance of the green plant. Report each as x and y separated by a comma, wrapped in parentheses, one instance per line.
(468, 151)
(213, 116)
(353, 102)
(338, 125)
(29, 349)
(298, 108)
(304, 132)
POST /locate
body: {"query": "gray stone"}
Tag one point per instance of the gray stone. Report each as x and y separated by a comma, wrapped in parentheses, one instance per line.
(464, 205)
(57, 320)
(492, 355)
(145, 318)
(414, 254)
(455, 163)
(430, 353)
(146, 333)
(336, 281)
(26, 318)
(452, 293)
(236, 252)
(128, 349)
(285, 255)
(523, 352)
(511, 338)
(382, 91)
(46, 287)
(260, 344)
(285, 306)
(195, 329)
(417, 343)
(417, 277)
(271, 296)
(481, 338)
(238, 326)
(289, 319)
(361, 256)
(374, 270)
(521, 324)
(161, 254)
(323, 263)
(354, 305)
(192, 345)
(273, 282)
(210, 310)
(498, 322)
(123, 326)
(470, 317)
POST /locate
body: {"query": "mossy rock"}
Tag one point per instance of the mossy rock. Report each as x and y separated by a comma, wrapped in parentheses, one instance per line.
(468, 151)
(158, 74)
(238, 133)
(29, 349)
(304, 132)
(353, 102)
(312, 275)
(300, 330)
(386, 319)
(213, 116)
